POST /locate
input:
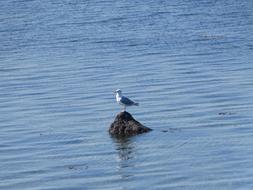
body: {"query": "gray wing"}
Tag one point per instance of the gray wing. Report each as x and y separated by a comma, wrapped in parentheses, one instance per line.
(127, 101)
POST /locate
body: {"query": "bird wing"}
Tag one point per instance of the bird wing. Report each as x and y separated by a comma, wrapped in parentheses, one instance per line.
(127, 101)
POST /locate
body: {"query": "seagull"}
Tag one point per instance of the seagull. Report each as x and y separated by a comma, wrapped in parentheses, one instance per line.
(124, 101)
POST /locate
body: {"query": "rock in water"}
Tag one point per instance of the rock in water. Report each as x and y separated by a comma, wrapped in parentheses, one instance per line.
(125, 125)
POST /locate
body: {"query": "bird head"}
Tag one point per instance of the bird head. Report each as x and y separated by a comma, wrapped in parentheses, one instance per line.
(118, 91)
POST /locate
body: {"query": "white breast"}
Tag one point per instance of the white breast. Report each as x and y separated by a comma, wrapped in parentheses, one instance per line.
(118, 97)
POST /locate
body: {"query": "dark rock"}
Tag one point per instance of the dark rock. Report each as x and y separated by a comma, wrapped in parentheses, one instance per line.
(125, 125)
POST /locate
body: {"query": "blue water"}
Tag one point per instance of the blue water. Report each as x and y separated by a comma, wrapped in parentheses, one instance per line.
(188, 63)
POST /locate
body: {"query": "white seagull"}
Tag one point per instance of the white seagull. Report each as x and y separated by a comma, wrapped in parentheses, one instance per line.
(124, 101)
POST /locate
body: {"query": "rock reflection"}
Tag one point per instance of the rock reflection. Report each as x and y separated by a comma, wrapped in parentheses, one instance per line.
(125, 148)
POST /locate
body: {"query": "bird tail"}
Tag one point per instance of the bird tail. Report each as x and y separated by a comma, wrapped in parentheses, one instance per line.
(136, 104)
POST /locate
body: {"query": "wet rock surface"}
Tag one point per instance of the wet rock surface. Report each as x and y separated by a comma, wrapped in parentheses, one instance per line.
(125, 125)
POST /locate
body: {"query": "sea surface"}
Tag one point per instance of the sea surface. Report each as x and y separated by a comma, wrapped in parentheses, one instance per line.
(188, 63)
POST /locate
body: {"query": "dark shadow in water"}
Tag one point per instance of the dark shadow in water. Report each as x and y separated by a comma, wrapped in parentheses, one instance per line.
(124, 147)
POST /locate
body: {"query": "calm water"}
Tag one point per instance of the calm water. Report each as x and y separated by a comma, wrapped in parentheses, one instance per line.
(188, 63)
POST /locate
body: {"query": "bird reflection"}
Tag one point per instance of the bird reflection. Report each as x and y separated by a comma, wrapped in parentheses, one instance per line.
(125, 149)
